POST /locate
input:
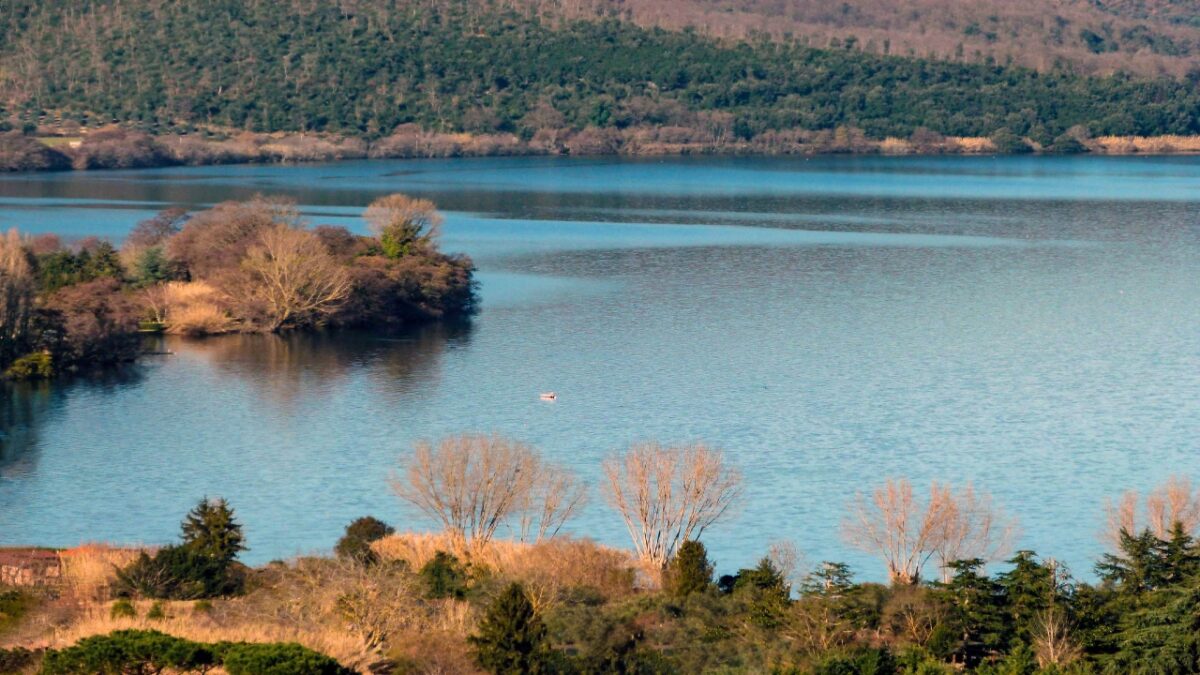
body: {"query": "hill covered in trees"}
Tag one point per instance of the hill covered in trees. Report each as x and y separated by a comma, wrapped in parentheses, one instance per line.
(367, 69)
(1147, 37)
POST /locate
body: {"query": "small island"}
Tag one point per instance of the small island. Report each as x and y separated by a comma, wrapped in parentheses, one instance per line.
(254, 266)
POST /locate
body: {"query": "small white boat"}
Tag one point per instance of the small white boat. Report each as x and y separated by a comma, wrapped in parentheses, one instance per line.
(549, 396)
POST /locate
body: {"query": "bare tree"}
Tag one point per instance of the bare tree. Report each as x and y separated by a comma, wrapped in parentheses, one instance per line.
(292, 278)
(1052, 640)
(896, 526)
(16, 296)
(553, 498)
(1174, 501)
(472, 484)
(970, 526)
(668, 495)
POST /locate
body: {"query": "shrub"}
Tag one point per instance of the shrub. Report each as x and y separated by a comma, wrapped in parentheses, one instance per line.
(444, 577)
(178, 573)
(138, 651)
(1008, 143)
(122, 609)
(356, 543)
(157, 612)
(689, 571)
(17, 659)
(36, 366)
(130, 651)
(202, 607)
(279, 659)
(512, 638)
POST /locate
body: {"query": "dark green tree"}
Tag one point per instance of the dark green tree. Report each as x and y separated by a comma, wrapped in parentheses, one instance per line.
(689, 571)
(444, 576)
(976, 622)
(511, 638)
(212, 530)
(356, 543)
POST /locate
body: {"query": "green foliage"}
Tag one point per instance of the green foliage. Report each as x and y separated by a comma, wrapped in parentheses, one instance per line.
(60, 269)
(157, 612)
(689, 571)
(178, 573)
(511, 638)
(14, 606)
(480, 67)
(138, 651)
(765, 592)
(279, 659)
(356, 543)
(975, 628)
(122, 609)
(444, 576)
(212, 530)
(129, 651)
(36, 366)
(1009, 143)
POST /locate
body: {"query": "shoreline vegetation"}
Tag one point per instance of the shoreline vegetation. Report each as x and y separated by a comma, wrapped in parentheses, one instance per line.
(115, 147)
(254, 266)
(231, 82)
(465, 599)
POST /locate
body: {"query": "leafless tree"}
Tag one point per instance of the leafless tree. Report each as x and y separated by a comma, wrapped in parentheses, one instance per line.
(472, 484)
(1175, 501)
(906, 531)
(16, 296)
(292, 278)
(970, 526)
(668, 495)
(898, 527)
(555, 496)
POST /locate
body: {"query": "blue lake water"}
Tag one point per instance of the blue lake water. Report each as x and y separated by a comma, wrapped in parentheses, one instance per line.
(1030, 325)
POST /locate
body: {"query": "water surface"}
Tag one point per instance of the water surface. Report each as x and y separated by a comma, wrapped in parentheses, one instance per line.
(1029, 325)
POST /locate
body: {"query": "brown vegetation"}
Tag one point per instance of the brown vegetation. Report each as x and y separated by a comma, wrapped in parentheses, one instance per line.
(473, 484)
(668, 495)
(906, 531)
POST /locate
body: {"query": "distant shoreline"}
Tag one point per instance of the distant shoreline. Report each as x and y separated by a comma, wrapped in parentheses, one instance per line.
(118, 148)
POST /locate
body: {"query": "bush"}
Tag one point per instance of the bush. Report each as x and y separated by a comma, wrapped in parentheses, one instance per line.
(279, 659)
(356, 543)
(138, 651)
(179, 573)
(122, 609)
(17, 659)
(37, 366)
(1008, 143)
(444, 577)
(157, 612)
(130, 651)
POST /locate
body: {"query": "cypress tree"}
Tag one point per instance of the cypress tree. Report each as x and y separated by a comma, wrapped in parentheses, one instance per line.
(512, 638)
(689, 571)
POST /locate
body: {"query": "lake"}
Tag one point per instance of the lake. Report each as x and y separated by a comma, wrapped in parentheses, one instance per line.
(1027, 324)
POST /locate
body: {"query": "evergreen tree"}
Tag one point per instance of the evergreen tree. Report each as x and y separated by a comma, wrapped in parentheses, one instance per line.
(512, 638)
(1181, 556)
(976, 618)
(444, 576)
(1138, 567)
(766, 593)
(211, 529)
(1028, 589)
(689, 571)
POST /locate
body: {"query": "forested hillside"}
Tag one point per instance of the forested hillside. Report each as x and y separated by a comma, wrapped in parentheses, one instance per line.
(362, 69)
(1147, 37)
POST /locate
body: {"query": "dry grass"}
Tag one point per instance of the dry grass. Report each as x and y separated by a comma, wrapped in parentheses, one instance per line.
(972, 144)
(895, 146)
(546, 568)
(88, 570)
(195, 308)
(1149, 145)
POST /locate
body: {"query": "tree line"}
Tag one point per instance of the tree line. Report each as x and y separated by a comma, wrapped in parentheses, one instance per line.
(468, 600)
(324, 66)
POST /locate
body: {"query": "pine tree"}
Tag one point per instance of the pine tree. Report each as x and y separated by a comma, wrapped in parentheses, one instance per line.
(211, 529)
(1139, 567)
(976, 612)
(690, 570)
(512, 638)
